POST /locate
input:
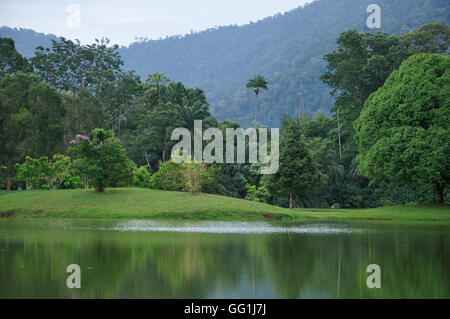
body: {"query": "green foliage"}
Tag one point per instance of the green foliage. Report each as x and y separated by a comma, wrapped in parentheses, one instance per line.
(257, 82)
(257, 194)
(191, 177)
(10, 60)
(45, 173)
(403, 130)
(78, 106)
(30, 119)
(68, 65)
(298, 171)
(168, 177)
(195, 176)
(359, 67)
(104, 159)
(141, 177)
(429, 38)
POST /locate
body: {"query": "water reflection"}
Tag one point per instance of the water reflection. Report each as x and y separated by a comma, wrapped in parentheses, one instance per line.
(146, 259)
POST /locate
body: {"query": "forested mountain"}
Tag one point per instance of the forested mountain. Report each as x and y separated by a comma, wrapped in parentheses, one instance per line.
(27, 40)
(287, 49)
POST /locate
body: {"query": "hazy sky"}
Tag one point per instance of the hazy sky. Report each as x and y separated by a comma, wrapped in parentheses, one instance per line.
(122, 21)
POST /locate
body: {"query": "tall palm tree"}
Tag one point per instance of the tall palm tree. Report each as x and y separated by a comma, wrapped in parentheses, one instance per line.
(258, 82)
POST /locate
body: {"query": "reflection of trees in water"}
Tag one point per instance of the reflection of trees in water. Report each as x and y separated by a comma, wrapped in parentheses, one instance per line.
(414, 263)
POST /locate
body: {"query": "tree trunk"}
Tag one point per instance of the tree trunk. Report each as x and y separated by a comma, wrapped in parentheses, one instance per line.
(291, 201)
(438, 194)
(8, 187)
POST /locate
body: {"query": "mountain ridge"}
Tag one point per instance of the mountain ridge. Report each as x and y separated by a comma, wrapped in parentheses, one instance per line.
(285, 48)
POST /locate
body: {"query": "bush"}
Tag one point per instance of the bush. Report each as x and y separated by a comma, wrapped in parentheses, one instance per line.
(45, 173)
(141, 177)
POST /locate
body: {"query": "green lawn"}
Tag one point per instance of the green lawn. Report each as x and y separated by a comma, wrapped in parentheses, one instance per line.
(147, 203)
(410, 213)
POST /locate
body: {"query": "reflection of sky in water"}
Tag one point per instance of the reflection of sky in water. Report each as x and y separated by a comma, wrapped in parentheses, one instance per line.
(223, 227)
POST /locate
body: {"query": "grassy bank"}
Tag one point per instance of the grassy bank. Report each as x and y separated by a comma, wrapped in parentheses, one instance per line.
(156, 204)
(135, 203)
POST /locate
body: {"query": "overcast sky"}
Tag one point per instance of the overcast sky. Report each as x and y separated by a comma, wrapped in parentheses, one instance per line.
(122, 21)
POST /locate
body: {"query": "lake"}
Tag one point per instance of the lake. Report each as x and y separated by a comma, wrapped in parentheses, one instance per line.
(152, 259)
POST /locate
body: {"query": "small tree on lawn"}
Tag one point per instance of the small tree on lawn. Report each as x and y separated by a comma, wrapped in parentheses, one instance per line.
(195, 176)
(298, 171)
(103, 157)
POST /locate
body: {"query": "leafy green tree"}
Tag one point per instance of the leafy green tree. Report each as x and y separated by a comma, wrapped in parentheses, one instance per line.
(10, 60)
(157, 81)
(84, 113)
(429, 38)
(358, 67)
(257, 194)
(43, 172)
(257, 82)
(195, 176)
(168, 177)
(196, 111)
(298, 172)
(141, 177)
(68, 65)
(104, 158)
(155, 129)
(31, 116)
(403, 131)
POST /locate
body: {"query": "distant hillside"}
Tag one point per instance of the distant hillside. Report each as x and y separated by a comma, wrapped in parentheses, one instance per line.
(286, 48)
(27, 40)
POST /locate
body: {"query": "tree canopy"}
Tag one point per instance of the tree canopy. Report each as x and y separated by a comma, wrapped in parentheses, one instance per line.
(404, 128)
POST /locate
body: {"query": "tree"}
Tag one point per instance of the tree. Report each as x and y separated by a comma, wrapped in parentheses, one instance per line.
(77, 107)
(31, 116)
(104, 158)
(39, 172)
(429, 38)
(257, 82)
(10, 60)
(155, 129)
(156, 81)
(298, 171)
(68, 65)
(195, 176)
(357, 68)
(403, 131)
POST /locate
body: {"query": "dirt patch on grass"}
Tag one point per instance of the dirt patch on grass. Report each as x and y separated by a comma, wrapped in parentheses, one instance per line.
(8, 214)
(269, 216)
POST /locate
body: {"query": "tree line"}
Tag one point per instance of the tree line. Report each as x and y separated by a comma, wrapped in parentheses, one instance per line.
(72, 95)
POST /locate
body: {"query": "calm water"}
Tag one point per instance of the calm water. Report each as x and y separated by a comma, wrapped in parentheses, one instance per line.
(146, 259)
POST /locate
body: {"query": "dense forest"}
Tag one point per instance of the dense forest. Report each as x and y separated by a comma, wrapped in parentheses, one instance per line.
(74, 116)
(71, 116)
(286, 48)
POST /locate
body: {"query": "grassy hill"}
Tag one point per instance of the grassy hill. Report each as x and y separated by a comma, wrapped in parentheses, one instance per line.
(141, 203)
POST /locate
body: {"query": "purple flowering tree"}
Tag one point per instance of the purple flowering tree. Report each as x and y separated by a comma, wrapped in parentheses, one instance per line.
(102, 159)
